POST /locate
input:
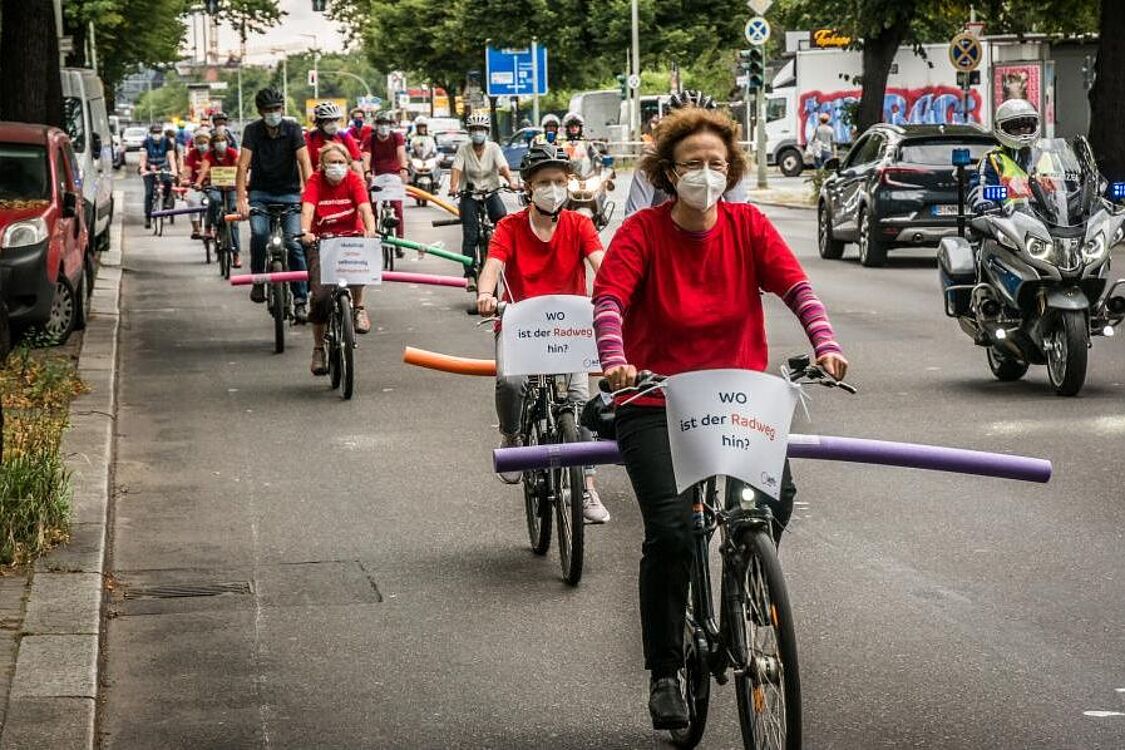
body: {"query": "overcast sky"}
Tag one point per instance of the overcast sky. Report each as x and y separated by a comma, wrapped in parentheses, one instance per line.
(300, 20)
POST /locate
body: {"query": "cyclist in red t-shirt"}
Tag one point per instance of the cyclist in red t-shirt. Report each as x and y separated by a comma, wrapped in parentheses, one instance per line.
(541, 250)
(189, 175)
(358, 128)
(222, 154)
(334, 202)
(327, 116)
(386, 154)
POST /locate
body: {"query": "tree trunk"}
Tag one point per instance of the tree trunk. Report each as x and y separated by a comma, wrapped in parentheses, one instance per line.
(878, 55)
(30, 89)
(1107, 98)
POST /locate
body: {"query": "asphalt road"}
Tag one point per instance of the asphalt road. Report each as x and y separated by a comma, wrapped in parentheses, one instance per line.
(378, 591)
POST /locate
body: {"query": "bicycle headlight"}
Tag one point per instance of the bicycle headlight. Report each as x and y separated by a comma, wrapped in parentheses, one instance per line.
(1039, 249)
(24, 233)
(275, 241)
(1094, 249)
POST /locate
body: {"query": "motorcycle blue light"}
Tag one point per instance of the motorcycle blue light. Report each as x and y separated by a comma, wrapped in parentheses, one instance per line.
(995, 193)
(1117, 191)
(962, 157)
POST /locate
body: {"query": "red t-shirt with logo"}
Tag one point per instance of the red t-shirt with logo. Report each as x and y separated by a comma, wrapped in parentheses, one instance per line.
(533, 267)
(384, 153)
(691, 300)
(336, 207)
(315, 140)
(193, 160)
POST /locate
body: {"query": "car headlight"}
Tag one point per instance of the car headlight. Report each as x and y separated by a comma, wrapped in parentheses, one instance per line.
(1094, 249)
(24, 233)
(1039, 249)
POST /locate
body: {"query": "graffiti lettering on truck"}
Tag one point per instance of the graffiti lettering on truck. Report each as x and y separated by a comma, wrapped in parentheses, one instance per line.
(927, 105)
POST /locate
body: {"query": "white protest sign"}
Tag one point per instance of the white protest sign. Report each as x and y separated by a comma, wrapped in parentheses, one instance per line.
(355, 260)
(729, 422)
(390, 188)
(549, 335)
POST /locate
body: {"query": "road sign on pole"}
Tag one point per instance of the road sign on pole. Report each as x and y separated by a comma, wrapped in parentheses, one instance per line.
(757, 31)
(634, 81)
(759, 6)
(965, 52)
(512, 72)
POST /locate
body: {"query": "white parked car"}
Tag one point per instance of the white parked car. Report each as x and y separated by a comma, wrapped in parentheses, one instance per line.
(134, 138)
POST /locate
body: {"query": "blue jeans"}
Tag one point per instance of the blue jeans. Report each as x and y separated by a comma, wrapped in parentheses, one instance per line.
(260, 232)
(470, 225)
(221, 202)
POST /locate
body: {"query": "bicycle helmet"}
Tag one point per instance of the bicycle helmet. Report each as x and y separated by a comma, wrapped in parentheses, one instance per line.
(539, 156)
(478, 120)
(1016, 124)
(219, 115)
(421, 120)
(549, 120)
(384, 116)
(201, 135)
(327, 111)
(573, 118)
(268, 98)
(691, 98)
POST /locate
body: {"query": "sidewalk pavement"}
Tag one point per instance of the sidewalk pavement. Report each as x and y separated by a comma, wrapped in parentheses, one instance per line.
(52, 702)
(783, 197)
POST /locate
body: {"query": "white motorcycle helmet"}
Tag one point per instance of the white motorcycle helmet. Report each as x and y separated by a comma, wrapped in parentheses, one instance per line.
(1016, 124)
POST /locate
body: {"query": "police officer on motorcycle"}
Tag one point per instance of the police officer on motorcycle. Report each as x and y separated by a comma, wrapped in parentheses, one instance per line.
(1016, 127)
(550, 134)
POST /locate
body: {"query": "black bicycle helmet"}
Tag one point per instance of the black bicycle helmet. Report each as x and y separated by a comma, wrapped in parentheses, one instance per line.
(691, 98)
(269, 98)
(542, 155)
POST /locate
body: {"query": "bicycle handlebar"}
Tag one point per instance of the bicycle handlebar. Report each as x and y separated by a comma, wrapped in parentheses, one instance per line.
(801, 370)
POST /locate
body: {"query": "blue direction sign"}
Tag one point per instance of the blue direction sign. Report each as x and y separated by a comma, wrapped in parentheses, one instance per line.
(509, 72)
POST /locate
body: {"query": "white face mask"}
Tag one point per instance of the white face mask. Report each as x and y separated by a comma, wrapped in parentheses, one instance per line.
(701, 188)
(273, 119)
(383, 130)
(335, 172)
(331, 128)
(549, 198)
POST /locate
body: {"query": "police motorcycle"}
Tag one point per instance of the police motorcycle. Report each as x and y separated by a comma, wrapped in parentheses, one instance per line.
(424, 171)
(1030, 283)
(591, 179)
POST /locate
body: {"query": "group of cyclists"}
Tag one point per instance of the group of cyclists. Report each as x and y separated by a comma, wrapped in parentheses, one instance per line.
(675, 291)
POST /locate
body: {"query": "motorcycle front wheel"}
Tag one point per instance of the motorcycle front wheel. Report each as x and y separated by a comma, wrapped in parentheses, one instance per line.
(1068, 348)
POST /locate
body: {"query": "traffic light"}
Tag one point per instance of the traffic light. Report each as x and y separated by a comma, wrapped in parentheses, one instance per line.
(623, 82)
(319, 5)
(753, 62)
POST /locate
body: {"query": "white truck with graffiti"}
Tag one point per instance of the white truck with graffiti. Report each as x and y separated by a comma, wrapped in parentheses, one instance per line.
(920, 90)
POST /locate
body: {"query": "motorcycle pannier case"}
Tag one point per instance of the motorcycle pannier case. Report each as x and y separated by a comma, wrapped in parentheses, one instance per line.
(957, 269)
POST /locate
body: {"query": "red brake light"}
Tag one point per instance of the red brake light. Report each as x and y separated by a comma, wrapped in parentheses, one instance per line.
(898, 176)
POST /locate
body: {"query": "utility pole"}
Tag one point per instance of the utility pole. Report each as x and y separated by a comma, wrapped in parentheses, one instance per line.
(635, 96)
(534, 80)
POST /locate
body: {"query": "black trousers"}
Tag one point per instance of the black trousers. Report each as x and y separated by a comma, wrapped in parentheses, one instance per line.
(666, 556)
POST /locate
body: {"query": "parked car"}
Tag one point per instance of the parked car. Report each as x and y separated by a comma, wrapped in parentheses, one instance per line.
(134, 138)
(896, 187)
(87, 124)
(43, 231)
(447, 144)
(516, 146)
(118, 146)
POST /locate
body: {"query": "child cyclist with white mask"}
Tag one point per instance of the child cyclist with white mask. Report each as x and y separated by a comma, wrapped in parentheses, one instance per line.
(541, 250)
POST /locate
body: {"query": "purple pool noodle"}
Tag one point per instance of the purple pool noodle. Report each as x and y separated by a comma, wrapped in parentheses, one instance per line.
(856, 450)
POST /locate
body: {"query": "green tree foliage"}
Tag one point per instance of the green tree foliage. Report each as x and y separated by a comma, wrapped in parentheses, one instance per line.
(165, 103)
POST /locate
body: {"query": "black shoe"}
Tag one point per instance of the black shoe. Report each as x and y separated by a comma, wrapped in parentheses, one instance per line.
(258, 293)
(301, 312)
(400, 253)
(148, 223)
(666, 704)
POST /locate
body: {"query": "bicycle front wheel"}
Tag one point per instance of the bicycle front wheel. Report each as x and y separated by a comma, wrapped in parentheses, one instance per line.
(346, 346)
(536, 504)
(569, 489)
(277, 310)
(760, 626)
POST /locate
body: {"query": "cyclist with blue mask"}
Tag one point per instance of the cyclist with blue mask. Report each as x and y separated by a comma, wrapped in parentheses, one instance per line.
(158, 154)
(273, 167)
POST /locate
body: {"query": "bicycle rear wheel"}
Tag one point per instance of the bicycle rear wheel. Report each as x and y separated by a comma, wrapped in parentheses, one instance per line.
(536, 503)
(569, 489)
(277, 309)
(759, 623)
(207, 249)
(346, 346)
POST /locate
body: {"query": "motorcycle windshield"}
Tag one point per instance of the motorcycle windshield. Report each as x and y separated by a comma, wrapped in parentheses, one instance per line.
(582, 166)
(1057, 191)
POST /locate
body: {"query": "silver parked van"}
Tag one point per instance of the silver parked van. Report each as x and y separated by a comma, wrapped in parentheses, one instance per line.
(87, 124)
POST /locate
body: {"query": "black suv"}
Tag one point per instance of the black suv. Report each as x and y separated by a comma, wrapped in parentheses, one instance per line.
(896, 187)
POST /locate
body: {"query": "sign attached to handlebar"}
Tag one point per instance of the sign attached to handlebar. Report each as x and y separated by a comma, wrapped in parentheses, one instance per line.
(729, 422)
(223, 177)
(354, 260)
(390, 188)
(549, 335)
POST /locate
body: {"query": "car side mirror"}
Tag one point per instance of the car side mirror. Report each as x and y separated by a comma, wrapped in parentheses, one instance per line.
(832, 165)
(69, 205)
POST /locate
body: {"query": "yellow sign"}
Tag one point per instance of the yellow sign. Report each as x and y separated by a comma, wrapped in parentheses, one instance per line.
(223, 177)
(310, 105)
(830, 38)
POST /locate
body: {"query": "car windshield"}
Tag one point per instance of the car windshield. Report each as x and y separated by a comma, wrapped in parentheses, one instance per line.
(24, 175)
(1057, 189)
(940, 152)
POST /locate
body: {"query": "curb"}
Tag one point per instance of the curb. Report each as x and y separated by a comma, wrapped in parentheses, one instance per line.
(779, 204)
(55, 687)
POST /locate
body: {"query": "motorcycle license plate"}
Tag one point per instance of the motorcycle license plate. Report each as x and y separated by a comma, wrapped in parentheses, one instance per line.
(944, 210)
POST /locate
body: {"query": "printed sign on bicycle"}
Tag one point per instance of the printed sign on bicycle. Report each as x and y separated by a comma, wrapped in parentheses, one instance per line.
(729, 422)
(390, 188)
(223, 177)
(548, 335)
(355, 260)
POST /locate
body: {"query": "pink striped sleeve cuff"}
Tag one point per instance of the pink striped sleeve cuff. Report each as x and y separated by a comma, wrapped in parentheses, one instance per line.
(607, 330)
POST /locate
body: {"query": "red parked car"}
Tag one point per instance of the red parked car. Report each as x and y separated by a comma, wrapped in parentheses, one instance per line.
(43, 235)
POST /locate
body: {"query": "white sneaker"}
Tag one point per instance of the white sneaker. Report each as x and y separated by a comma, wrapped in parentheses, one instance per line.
(592, 509)
(510, 441)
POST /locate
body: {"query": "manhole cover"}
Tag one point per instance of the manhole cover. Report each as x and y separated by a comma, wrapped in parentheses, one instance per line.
(186, 590)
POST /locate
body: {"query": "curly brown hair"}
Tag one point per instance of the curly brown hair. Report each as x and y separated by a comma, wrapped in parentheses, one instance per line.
(677, 126)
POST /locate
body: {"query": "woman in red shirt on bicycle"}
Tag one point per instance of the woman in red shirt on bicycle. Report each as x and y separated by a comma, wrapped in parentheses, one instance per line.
(678, 291)
(334, 203)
